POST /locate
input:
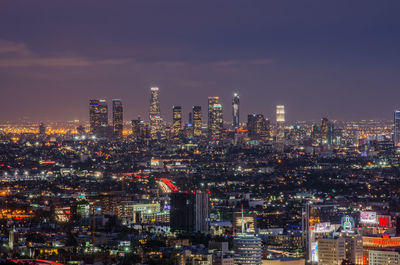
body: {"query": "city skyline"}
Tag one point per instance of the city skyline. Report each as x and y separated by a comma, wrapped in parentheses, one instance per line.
(270, 53)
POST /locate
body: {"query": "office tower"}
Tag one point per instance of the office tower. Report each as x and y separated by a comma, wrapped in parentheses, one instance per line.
(397, 128)
(118, 120)
(331, 251)
(98, 116)
(330, 136)
(42, 129)
(258, 127)
(235, 111)
(189, 212)
(197, 121)
(176, 121)
(136, 124)
(215, 121)
(156, 122)
(315, 133)
(190, 120)
(247, 247)
(280, 123)
(324, 130)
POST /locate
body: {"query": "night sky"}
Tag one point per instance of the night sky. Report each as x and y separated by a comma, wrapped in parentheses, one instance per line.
(335, 59)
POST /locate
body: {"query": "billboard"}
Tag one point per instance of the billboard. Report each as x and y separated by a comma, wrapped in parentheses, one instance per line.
(384, 221)
(368, 217)
(347, 223)
(322, 227)
(314, 251)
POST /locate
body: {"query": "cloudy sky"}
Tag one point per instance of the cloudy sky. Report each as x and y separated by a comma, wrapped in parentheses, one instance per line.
(339, 59)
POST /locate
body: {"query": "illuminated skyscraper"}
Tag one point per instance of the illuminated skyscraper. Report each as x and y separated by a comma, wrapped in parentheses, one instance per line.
(258, 127)
(235, 111)
(280, 123)
(215, 121)
(156, 122)
(98, 116)
(324, 130)
(397, 128)
(118, 117)
(280, 113)
(137, 129)
(197, 121)
(176, 121)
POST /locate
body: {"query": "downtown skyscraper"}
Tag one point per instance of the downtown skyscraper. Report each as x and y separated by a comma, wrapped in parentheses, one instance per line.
(118, 118)
(98, 116)
(197, 123)
(215, 120)
(176, 121)
(280, 123)
(397, 128)
(156, 122)
(235, 111)
(258, 127)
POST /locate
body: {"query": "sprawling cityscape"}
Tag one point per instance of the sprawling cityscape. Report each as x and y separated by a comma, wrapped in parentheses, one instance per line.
(201, 190)
(178, 132)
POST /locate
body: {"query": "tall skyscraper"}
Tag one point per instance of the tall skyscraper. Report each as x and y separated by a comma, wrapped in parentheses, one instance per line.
(137, 129)
(190, 211)
(197, 121)
(215, 120)
(280, 113)
(98, 116)
(156, 122)
(330, 136)
(190, 118)
(280, 123)
(397, 128)
(324, 129)
(177, 121)
(118, 117)
(235, 111)
(258, 127)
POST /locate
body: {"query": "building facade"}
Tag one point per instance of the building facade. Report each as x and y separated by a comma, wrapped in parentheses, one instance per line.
(118, 118)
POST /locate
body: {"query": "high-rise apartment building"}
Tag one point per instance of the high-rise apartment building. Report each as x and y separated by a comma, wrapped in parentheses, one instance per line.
(235, 111)
(118, 119)
(98, 116)
(397, 128)
(156, 122)
(197, 124)
(215, 118)
(176, 121)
